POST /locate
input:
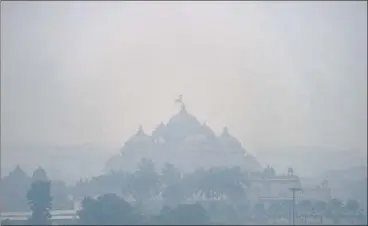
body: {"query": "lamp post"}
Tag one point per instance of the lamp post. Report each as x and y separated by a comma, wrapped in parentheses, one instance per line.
(293, 190)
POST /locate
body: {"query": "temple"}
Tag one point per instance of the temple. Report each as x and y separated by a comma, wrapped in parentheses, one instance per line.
(186, 143)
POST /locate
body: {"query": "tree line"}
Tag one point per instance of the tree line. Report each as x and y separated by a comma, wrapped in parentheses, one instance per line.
(215, 195)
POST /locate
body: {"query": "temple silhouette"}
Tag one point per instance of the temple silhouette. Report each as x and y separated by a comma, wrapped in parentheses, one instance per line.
(186, 143)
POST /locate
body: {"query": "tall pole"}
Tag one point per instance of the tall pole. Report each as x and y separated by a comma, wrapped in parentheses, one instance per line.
(293, 206)
(293, 190)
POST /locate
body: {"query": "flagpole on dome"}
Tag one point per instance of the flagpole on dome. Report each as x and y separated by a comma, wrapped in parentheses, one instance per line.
(181, 102)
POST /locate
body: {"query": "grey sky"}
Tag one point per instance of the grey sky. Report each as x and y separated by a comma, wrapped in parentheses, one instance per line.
(290, 73)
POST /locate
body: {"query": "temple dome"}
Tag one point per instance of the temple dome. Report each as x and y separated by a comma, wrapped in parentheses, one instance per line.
(183, 118)
(139, 140)
(228, 141)
(139, 137)
(182, 125)
(159, 131)
(207, 131)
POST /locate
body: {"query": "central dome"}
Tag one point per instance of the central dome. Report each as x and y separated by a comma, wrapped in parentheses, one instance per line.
(183, 118)
(182, 125)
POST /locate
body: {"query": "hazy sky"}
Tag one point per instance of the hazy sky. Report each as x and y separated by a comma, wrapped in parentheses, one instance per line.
(277, 74)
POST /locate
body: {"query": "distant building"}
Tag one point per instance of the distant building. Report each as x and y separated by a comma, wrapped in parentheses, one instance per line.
(318, 193)
(275, 188)
(187, 144)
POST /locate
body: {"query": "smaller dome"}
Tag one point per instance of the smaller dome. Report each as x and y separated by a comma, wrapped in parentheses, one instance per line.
(138, 141)
(229, 140)
(159, 131)
(229, 144)
(140, 136)
(252, 163)
(207, 131)
(39, 175)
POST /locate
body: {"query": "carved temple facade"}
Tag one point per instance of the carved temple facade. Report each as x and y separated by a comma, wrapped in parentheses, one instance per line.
(187, 144)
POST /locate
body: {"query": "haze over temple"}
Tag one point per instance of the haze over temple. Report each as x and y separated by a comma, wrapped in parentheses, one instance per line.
(186, 143)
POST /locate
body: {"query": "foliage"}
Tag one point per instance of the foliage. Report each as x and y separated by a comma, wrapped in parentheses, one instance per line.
(259, 212)
(320, 207)
(170, 175)
(106, 209)
(6, 222)
(352, 206)
(144, 183)
(305, 207)
(39, 199)
(13, 189)
(15, 186)
(220, 190)
(335, 206)
(59, 193)
(189, 214)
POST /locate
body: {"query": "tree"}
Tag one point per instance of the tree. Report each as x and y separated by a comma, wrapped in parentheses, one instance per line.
(275, 210)
(144, 183)
(352, 209)
(258, 212)
(39, 199)
(195, 184)
(106, 209)
(170, 174)
(59, 193)
(89, 211)
(352, 206)
(13, 189)
(235, 183)
(188, 214)
(173, 194)
(320, 208)
(217, 182)
(305, 208)
(172, 187)
(209, 183)
(335, 207)
(285, 207)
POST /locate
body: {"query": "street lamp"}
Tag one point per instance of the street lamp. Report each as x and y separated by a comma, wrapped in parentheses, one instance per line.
(293, 190)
